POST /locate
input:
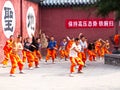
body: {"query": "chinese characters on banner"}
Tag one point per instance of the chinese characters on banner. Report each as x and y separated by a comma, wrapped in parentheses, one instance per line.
(30, 21)
(8, 19)
(90, 23)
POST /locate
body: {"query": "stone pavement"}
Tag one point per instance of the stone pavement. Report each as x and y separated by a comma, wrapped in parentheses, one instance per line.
(96, 76)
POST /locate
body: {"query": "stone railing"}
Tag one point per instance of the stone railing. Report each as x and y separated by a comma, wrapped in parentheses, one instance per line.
(112, 59)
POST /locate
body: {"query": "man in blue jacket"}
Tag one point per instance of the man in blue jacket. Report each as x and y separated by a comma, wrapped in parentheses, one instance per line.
(51, 49)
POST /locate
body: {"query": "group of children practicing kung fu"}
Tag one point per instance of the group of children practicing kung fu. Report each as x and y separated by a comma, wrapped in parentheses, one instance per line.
(78, 50)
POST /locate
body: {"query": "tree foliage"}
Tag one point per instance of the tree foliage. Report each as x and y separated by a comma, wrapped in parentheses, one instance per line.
(104, 7)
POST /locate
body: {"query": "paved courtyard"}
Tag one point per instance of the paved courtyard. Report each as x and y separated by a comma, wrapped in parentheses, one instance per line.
(96, 76)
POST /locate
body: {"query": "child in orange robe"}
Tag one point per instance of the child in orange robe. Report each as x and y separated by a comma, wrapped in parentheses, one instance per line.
(15, 58)
(7, 50)
(74, 59)
(91, 52)
(62, 49)
(116, 39)
(98, 45)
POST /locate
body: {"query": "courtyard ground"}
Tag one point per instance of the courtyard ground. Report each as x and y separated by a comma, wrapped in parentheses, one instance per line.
(96, 76)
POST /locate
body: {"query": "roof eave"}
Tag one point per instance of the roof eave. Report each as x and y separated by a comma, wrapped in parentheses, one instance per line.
(36, 1)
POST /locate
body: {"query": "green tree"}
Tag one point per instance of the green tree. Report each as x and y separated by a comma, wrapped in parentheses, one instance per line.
(104, 7)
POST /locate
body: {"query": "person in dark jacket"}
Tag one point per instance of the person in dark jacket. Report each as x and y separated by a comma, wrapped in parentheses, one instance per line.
(28, 53)
(34, 47)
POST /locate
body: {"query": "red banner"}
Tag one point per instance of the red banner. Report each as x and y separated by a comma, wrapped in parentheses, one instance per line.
(90, 23)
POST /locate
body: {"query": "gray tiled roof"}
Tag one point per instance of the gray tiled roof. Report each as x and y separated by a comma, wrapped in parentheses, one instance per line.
(67, 2)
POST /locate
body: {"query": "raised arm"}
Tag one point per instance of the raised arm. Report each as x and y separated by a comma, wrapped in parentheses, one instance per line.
(80, 34)
(68, 38)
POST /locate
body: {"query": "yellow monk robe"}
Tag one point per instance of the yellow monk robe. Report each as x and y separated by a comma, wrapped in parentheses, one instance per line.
(74, 62)
(98, 48)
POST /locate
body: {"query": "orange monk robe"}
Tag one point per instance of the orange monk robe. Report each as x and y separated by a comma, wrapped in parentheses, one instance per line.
(63, 53)
(7, 50)
(15, 61)
(51, 53)
(8, 46)
(98, 48)
(116, 39)
(30, 58)
(76, 61)
(91, 55)
(38, 53)
(24, 55)
(56, 51)
(104, 51)
(82, 56)
(36, 58)
(70, 42)
(52, 50)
